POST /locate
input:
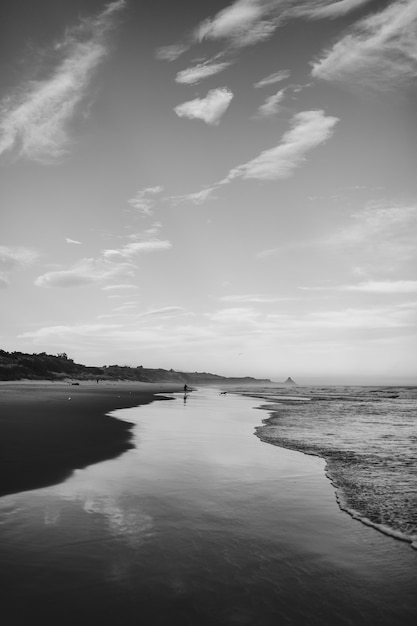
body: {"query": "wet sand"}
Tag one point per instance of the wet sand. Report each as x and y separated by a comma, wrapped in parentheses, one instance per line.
(199, 523)
(48, 430)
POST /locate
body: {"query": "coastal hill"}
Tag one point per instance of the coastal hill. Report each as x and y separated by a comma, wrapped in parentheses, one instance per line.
(22, 366)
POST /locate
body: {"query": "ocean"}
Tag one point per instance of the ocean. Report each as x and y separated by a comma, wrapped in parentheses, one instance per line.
(368, 437)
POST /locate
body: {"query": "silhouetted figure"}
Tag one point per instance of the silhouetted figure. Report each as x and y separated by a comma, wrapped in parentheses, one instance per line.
(185, 389)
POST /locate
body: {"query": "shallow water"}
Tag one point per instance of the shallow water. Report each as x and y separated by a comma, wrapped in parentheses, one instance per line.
(201, 523)
(368, 437)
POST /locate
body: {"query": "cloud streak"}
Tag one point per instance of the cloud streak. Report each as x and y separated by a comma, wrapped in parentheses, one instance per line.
(34, 122)
(385, 287)
(309, 130)
(272, 79)
(86, 272)
(331, 10)
(193, 75)
(131, 250)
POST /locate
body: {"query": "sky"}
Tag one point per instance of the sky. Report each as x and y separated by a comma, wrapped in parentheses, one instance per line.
(226, 187)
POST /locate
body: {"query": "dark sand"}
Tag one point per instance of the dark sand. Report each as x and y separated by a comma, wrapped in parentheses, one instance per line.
(47, 430)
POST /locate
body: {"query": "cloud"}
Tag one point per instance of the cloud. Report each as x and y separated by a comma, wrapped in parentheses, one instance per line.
(249, 22)
(144, 200)
(72, 241)
(122, 286)
(396, 286)
(34, 122)
(193, 75)
(263, 254)
(131, 250)
(379, 52)
(309, 130)
(112, 266)
(86, 272)
(209, 109)
(382, 237)
(197, 197)
(253, 298)
(171, 53)
(271, 106)
(14, 259)
(271, 79)
(376, 221)
(242, 22)
(166, 311)
(86, 331)
(127, 306)
(235, 316)
(332, 10)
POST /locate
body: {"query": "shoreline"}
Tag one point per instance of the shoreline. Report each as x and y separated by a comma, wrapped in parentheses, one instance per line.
(340, 495)
(50, 429)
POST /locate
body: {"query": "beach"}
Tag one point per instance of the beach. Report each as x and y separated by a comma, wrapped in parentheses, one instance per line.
(197, 521)
(49, 429)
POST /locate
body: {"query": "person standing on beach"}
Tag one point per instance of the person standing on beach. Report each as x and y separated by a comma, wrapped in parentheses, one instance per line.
(185, 390)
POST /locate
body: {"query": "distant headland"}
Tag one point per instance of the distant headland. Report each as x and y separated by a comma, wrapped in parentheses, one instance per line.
(42, 366)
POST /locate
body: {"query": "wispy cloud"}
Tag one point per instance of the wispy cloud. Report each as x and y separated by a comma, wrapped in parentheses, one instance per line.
(113, 266)
(72, 241)
(383, 237)
(209, 109)
(385, 287)
(131, 250)
(379, 52)
(197, 197)
(13, 259)
(330, 10)
(253, 298)
(249, 22)
(309, 130)
(271, 79)
(166, 311)
(235, 316)
(86, 272)
(243, 23)
(121, 287)
(145, 200)
(271, 106)
(34, 122)
(172, 52)
(193, 75)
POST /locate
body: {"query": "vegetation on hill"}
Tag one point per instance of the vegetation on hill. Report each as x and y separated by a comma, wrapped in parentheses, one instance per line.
(42, 366)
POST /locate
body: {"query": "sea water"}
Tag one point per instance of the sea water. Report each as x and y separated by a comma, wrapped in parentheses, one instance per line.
(200, 524)
(368, 437)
